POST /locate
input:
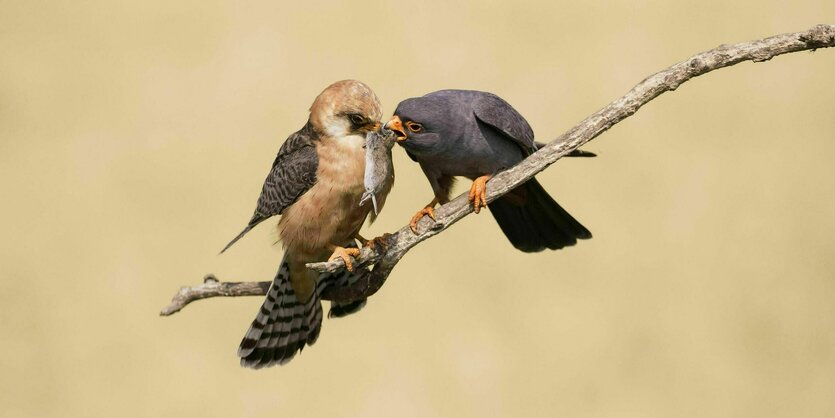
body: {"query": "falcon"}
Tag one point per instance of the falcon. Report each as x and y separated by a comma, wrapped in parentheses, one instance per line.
(315, 184)
(475, 134)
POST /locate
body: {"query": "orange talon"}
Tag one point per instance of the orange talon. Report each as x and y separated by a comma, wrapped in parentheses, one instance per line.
(415, 219)
(478, 193)
(345, 254)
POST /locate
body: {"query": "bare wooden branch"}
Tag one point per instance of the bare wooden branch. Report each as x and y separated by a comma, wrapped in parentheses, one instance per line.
(212, 287)
(820, 36)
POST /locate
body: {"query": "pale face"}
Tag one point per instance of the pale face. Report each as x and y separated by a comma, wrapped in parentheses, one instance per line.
(346, 108)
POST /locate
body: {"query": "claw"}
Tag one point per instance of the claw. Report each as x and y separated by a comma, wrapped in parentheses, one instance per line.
(346, 255)
(478, 193)
(415, 219)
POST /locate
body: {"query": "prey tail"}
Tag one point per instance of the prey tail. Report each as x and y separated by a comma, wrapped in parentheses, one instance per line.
(283, 325)
(369, 195)
(256, 219)
(533, 221)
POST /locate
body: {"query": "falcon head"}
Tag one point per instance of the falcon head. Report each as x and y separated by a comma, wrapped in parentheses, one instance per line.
(347, 107)
(420, 123)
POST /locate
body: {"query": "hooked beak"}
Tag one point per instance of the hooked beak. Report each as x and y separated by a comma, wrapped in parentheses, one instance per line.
(395, 125)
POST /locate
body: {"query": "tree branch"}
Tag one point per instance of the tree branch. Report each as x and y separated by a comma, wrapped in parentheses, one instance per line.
(212, 287)
(820, 36)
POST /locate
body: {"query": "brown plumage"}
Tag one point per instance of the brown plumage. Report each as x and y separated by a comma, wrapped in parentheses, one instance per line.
(315, 184)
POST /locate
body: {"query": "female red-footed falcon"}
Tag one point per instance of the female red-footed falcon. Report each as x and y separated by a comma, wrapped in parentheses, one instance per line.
(315, 184)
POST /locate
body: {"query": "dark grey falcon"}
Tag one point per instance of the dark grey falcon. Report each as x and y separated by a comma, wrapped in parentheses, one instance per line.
(476, 134)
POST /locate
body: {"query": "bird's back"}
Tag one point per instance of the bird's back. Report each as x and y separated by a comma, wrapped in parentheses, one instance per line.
(474, 148)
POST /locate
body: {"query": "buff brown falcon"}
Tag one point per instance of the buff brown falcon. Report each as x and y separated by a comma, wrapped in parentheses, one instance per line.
(476, 134)
(315, 184)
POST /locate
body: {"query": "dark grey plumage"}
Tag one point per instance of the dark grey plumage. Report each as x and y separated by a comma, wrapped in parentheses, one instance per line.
(472, 134)
(293, 173)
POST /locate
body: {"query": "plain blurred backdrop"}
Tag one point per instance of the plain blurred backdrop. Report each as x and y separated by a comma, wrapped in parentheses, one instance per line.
(135, 136)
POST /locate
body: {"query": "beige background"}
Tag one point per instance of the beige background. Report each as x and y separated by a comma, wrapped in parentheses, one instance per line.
(134, 137)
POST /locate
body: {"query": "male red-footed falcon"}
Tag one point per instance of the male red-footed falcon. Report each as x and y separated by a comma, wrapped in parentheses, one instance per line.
(476, 134)
(315, 184)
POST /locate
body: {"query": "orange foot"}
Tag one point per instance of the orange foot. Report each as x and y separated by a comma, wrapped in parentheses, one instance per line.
(478, 193)
(345, 254)
(415, 219)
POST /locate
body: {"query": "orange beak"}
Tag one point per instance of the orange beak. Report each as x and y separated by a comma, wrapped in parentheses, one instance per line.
(396, 125)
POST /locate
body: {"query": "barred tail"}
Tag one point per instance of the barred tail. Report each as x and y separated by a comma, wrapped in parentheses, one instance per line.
(283, 325)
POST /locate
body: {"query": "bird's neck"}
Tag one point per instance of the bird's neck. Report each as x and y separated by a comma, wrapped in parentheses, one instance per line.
(342, 162)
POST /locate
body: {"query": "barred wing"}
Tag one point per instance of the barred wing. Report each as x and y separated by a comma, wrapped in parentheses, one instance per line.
(293, 173)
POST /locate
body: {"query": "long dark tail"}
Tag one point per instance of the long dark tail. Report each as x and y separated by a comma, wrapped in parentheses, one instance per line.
(533, 221)
(284, 325)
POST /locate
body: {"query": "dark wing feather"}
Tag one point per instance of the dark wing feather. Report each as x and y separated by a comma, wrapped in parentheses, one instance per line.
(499, 114)
(292, 174)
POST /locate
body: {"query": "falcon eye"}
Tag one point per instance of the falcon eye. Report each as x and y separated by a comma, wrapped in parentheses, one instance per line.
(356, 119)
(414, 127)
